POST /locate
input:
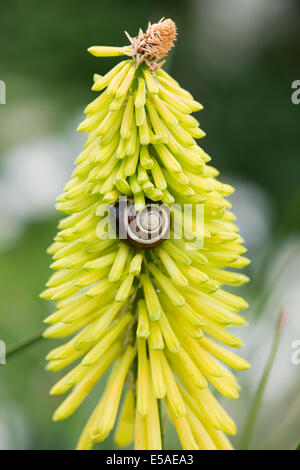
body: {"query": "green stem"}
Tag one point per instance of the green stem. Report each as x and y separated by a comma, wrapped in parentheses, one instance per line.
(24, 344)
(162, 423)
(257, 401)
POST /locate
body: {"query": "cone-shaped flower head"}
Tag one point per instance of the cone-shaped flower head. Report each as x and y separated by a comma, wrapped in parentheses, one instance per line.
(146, 300)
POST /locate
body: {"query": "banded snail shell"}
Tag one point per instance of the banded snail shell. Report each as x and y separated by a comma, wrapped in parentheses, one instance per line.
(146, 228)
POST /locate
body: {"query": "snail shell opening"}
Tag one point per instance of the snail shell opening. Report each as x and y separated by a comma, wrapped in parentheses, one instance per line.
(146, 228)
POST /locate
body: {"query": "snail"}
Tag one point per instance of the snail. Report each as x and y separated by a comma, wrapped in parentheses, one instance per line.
(146, 228)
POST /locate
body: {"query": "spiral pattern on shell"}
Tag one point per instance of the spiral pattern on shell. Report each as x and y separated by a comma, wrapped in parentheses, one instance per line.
(146, 228)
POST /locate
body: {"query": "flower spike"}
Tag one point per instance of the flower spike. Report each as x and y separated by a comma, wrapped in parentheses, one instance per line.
(141, 262)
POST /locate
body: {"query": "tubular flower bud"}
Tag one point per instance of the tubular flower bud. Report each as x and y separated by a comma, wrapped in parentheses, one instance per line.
(141, 262)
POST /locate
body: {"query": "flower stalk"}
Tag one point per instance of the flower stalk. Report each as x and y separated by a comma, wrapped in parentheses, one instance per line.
(24, 344)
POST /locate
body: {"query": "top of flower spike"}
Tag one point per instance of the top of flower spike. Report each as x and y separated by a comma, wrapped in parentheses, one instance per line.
(154, 44)
(149, 47)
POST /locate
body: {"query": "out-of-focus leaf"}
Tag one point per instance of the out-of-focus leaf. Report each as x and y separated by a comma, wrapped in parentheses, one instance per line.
(257, 401)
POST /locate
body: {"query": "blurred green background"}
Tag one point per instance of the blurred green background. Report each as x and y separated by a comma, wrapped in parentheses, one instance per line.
(239, 58)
